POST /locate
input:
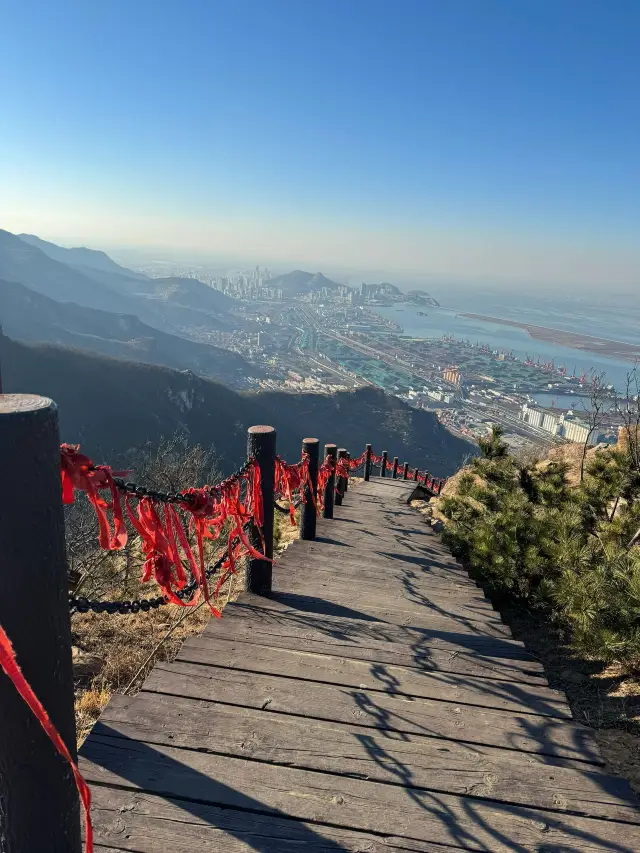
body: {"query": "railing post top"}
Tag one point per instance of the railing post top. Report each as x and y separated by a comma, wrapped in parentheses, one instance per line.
(260, 429)
(20, 404)
(311, 441)
(342, 452)
(367, 447)
(331, 450)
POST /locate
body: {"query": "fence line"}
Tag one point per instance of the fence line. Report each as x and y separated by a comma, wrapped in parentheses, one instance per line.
(44, 812)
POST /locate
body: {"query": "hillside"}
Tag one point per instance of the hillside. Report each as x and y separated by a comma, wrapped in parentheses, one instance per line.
(180, 306)
(186, 292)
(31, 316)
(80, 257)
(20, 261)
(110, 406)
(300, 281)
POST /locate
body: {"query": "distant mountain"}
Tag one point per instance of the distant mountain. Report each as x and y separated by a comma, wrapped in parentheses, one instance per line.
(111, 406)
(80, 257)
(186, 292)
(23, 262)
(184, 305)
(31, 316)
(300, 281)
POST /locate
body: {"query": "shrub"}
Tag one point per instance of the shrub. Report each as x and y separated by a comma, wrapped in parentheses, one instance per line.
(526, 534)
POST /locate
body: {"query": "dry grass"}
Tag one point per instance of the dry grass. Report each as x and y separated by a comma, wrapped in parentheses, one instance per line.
(130, 645)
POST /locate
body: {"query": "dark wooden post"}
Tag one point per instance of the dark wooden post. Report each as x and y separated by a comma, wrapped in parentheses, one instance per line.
(415, 475)
(383, 467)
(345, 489)
(331, 451)
(395, 468)
(310, 446)
(367, 463)
(261, 445)
(39, 807)
(405, 471)
(340, 482)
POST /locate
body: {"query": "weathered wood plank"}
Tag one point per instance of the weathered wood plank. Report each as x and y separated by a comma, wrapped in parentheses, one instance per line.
(415, 617)
(133, 822)
(411, 760)
(422, 658)
(343, 801)
(412, 600)
(441, 686)
(340, 622)
(374, 572)
(469, 723)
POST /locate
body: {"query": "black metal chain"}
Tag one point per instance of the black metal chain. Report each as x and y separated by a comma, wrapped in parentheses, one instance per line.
(176, 497)
(84, 605)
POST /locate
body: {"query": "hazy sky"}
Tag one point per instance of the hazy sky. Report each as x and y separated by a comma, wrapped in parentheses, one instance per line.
(494, 140)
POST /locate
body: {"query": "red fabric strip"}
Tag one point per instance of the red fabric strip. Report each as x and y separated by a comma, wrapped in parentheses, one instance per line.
(10, 665)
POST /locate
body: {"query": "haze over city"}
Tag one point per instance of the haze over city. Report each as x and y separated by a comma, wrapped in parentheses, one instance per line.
(492, 142)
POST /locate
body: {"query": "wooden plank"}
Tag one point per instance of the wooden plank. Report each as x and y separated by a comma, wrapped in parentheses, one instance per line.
(468, 723)
(310, 666)
(410, 616)
(132, 822)
(372, 571)
(343, 801)
(410, 761)
(425, 659)
(416, 600)
(340, 621)
(369, 568)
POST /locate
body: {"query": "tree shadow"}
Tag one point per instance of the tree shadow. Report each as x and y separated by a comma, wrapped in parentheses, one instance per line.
(311, 604)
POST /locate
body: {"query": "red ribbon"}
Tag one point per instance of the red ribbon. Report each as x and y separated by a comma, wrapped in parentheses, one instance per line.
(234, 503)
(324, 473)
(9, 664)
(79, 472)
(356, 463)
(292, 478)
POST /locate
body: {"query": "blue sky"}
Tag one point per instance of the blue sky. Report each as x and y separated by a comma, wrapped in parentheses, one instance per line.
(489, 140)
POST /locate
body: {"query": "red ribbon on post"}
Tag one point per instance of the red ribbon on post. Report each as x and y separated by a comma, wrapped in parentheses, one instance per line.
(9, 663)
(324, 472)
(292, 478)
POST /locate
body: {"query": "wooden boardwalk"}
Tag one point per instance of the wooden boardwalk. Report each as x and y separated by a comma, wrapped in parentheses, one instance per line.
(375, 703)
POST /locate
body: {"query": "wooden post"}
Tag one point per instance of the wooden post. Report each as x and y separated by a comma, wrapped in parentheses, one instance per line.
(310, 446)
(383, 467)
(415, 475)
(345, 484)
(340, 483)
(261, 445)
(395, 468)
(367, 463)
(39, 807)
(405, 471)
(331, 451)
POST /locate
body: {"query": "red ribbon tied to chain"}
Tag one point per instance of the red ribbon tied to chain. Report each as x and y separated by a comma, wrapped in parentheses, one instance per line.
(9, 663)
(79, 472)
(324, 473)
(356, 463)
(293, 478)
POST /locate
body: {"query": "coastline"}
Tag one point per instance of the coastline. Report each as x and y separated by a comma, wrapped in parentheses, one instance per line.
(574, 340)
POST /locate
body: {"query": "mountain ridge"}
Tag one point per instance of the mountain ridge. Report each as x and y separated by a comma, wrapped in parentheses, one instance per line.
(111, 406)
(31, 316)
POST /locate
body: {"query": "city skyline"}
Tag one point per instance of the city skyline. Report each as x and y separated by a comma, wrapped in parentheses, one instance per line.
(466, 142)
